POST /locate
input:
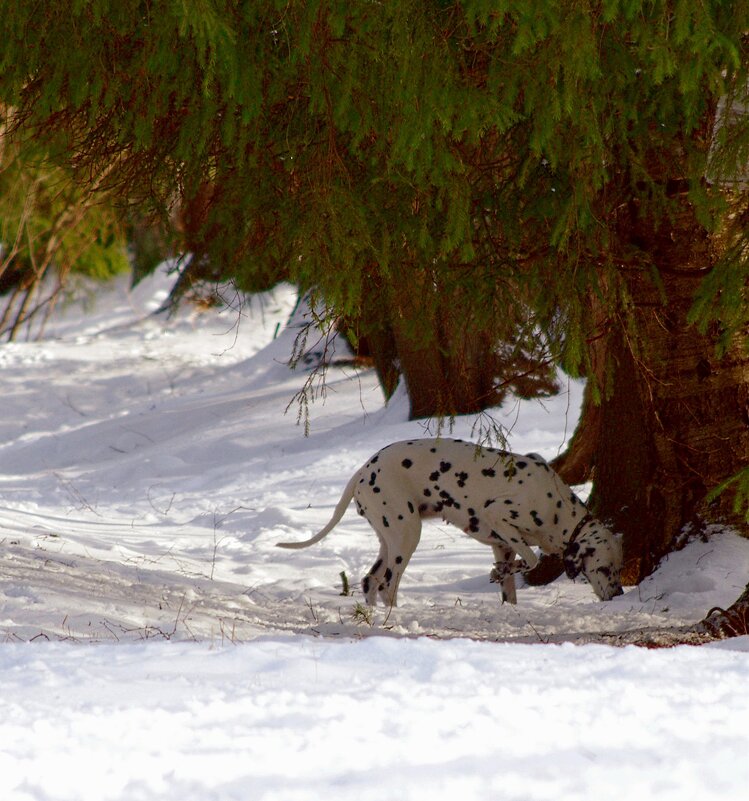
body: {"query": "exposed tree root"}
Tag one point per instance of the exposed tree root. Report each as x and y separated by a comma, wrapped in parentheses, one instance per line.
(731, 622)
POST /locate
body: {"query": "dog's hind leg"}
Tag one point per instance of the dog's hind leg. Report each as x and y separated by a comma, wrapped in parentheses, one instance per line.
(374, 579)
(404, 546)
(397, 546)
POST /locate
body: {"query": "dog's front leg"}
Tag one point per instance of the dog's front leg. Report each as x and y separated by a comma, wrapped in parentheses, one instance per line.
(503, 573)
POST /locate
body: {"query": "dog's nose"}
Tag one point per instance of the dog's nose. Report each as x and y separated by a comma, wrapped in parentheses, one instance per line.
(617, 591)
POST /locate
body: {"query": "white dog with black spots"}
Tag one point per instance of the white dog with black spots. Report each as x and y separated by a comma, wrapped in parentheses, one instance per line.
(504, 500)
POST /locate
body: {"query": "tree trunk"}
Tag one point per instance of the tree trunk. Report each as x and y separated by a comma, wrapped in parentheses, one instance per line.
(374, 330)
(675, 424)
(575, 465)
(421, 367)
(444, 357)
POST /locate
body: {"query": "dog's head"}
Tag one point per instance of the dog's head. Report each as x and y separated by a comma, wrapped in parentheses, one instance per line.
(597, 553)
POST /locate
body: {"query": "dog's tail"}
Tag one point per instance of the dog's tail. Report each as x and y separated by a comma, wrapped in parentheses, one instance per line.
(340, 510)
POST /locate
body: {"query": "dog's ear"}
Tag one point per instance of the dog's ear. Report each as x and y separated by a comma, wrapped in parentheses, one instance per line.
(572, 559)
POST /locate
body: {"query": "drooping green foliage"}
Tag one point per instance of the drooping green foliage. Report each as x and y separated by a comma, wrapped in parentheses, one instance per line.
(475, 149)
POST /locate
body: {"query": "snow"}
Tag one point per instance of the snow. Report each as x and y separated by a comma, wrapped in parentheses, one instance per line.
(157, 645)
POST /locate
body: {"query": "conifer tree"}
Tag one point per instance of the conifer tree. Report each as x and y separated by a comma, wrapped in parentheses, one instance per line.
(444, 172)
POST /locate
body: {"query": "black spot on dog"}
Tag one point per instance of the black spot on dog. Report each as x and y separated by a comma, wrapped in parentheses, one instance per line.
(374, 459)
(461, 479)
(513, 514)
(448, 499)
(508, 502)
(428, 493)
(471, 512)
(422, 508)
(376, 566)
(473, 524)
(488, 503)
(385, 522)
(398, 560)
(365, 584)
(388, 575)
(400, 517)
(372, 479)
(521, 465)
(406, 463)
(433, 450)
(445, 466)
(410, 507)
(434, 476)
(489, 472)
(376, 489)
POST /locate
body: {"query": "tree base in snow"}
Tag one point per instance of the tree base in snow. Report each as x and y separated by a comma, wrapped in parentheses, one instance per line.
(549, 568)
(731, 622)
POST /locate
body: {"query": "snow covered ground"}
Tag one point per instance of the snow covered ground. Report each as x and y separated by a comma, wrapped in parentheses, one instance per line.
(158, 646)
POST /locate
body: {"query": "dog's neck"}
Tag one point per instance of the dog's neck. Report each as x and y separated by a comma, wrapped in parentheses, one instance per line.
(584, 520)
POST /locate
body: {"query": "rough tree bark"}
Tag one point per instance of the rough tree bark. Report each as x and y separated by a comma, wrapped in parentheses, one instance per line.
(575, 465)
(373, 333)
(677, 421)
(444, 357)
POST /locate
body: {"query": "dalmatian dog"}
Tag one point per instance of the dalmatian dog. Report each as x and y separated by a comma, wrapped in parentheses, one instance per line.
(504, 500)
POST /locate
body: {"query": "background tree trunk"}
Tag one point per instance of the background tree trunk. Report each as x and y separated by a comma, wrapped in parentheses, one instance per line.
(444, 356)
(374, 335)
